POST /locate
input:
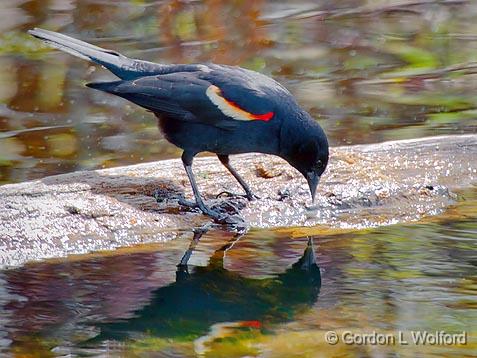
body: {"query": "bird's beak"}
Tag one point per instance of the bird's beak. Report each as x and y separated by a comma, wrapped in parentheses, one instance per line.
(313, 180)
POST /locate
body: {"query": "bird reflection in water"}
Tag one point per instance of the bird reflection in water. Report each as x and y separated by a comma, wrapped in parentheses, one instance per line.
(204, 298)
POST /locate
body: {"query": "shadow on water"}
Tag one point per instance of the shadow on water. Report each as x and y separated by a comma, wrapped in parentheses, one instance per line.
(204, 296)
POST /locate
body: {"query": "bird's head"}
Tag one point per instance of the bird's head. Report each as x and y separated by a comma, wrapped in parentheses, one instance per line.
(306, 150)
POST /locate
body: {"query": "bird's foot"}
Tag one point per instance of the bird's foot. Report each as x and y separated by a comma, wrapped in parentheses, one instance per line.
(227, 213)
(224, 218)
(249, 196)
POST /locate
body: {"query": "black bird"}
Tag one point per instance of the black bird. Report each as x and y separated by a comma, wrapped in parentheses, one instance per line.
(215, 108)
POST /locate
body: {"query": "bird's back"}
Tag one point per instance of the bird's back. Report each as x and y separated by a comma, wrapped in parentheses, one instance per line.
(205, 106)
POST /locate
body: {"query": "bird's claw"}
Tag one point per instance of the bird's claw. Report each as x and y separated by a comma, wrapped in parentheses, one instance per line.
(218, 217)
(224, 218)
(252, 197)
(248, 196)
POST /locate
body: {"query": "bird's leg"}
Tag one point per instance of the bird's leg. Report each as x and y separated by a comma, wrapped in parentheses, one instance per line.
(224, 159)
(187, 159)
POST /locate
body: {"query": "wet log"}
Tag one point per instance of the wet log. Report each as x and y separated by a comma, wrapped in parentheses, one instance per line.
(364, 186)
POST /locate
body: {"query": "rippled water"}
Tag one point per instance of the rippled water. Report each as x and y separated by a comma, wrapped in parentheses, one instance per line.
(259, 294)
(367, 70)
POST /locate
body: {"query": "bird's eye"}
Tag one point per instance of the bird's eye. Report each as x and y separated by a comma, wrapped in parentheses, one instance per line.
(319, 164)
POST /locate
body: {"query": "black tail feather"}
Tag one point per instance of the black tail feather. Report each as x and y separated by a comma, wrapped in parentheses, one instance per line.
(121, 66)
(109, 87)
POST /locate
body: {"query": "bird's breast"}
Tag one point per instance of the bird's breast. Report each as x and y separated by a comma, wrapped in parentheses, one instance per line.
(246, 137)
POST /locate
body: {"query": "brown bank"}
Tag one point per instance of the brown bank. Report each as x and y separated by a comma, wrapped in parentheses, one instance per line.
(365, 185)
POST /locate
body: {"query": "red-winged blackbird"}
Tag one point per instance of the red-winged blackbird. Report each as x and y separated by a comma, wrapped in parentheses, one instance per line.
(215, 108)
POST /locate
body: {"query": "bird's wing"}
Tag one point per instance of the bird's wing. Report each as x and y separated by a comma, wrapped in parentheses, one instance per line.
(243, 94)
(151, 93)
(223, 93)
(189, 96)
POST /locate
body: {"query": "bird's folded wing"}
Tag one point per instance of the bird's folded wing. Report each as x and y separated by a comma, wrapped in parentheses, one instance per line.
(145, 97)
(232, 109)
(186, 96)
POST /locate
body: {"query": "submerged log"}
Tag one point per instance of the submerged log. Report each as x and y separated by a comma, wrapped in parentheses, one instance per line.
(364, 186)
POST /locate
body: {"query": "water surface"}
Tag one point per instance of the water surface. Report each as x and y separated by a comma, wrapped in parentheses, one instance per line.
(256, 295)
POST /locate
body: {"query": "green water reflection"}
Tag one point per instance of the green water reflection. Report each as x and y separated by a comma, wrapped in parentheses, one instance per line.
(367, 70)
(260, 295)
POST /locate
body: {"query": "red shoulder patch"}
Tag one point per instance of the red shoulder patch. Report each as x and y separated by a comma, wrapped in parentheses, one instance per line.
(232, 109)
